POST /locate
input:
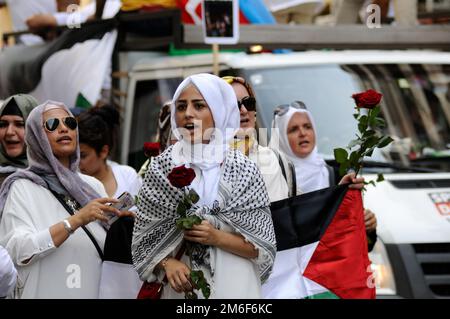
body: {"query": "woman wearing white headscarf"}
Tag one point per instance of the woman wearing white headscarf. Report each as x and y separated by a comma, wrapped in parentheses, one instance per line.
(54, 257)
(296, 137)
(235, 243)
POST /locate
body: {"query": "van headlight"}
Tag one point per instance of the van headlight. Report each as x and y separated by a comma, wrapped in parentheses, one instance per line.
(383, 276)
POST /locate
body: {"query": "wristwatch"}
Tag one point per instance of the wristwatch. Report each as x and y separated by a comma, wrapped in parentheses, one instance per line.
(68, 227)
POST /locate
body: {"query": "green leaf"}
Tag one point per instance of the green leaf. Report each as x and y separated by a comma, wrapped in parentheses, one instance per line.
(353, 143)
(196, 220)
(190, 295)
(199, 282)
(354, 159)
(195, 275)
(371, 183)
(385, 141)
(340, 155)
(187, 224)
(343, 168)
(380, 178)
(373, 113)
(206, 291)
(193, 196)
(362, 125)
(369, 151)
(368, 133)
(181, 208)
(379, 123)
(370, 142)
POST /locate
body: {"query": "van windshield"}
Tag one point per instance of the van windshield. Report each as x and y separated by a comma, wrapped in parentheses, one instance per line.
(416, 105)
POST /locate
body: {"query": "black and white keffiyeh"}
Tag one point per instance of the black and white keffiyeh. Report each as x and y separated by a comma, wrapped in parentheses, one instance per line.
(242, 203)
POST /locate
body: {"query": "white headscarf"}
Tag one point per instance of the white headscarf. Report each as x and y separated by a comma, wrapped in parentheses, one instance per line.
(207, 158)
(311, 171)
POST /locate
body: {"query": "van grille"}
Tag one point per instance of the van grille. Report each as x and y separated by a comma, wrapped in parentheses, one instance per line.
(435, 262)
(421, 183)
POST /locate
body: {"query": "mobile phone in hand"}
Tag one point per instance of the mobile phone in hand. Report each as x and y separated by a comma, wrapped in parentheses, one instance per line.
(126, 201)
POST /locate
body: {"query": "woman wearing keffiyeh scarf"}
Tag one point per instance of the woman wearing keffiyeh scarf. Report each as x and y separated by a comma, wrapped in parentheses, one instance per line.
(235, 243)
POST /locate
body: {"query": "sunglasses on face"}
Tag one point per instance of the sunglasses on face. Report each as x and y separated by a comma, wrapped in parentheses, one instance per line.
(249, 102)
(53, 123)
(282, 109)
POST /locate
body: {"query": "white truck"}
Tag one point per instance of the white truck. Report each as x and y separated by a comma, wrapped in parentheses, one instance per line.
(412, 255)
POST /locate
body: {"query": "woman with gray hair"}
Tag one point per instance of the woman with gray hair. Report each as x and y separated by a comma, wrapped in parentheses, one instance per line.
(45, 205)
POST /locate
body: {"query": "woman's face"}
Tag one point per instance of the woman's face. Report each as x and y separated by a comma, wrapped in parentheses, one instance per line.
(248, 118)
(301, 136)
(12, 135)
(63, 140)
(193, 116)
(90, 161)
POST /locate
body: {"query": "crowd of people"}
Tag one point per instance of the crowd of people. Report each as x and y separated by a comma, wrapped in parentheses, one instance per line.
(60, 187)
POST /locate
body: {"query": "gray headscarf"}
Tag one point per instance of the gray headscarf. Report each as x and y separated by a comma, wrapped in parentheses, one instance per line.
(25, 103)
(44, 166)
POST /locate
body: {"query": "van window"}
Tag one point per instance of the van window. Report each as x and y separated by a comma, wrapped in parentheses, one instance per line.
(416, 104)
(326, 91)
(150, 96)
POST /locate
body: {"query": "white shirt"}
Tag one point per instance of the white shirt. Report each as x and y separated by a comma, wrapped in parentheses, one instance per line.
(70, 271)
(127, 179)
(269, 166)
(8, 273)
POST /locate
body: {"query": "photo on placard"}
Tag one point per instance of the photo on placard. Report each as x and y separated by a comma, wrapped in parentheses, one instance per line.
(220, 21)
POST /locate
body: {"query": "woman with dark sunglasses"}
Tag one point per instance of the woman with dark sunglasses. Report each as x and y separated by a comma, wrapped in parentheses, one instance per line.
(51, 213)
(13, 115)
(245, 140)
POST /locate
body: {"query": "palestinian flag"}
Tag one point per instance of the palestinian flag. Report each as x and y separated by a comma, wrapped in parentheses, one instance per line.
(76, 62)
(250, 11)
(322, 247)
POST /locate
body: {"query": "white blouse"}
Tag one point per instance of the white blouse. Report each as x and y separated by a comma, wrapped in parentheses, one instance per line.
(127, 179)
(268, 164)
(8, 273)
(73, 269)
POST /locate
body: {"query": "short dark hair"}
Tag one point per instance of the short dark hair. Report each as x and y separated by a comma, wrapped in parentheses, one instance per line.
(98, 127)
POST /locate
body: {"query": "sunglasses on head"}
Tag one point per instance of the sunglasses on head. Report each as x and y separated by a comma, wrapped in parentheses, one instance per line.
(233, 79)
(249, 102)
(282, 109)
(53, 123)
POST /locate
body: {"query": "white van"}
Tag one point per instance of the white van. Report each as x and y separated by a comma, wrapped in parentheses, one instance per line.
(412, 256)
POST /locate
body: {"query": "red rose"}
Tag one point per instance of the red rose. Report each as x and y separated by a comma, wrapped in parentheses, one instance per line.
(181, 176)
(368, 99)
(151, 149)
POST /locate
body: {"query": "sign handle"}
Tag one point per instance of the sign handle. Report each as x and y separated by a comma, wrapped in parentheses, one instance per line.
(215, 49)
